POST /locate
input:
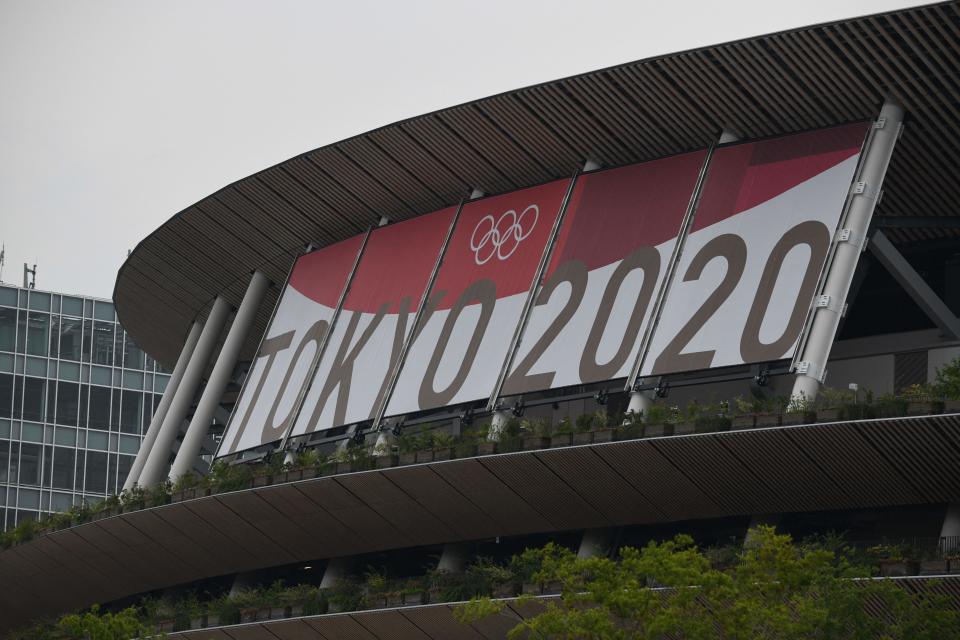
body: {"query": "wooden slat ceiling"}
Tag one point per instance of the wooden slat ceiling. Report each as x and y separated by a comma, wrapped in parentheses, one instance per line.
(769, 85)
(873, 463)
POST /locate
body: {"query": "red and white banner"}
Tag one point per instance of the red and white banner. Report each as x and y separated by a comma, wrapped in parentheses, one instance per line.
(477, 300)
(264, 411)
(612, 252)
(761, 234)
(377, 317)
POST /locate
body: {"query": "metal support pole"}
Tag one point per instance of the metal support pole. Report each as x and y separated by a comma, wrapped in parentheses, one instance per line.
(453, 559)
(161, 411)
(156, 465)
(811, 365)
(219, 377)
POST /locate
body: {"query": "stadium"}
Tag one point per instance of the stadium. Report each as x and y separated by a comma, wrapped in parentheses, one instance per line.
(687, 294)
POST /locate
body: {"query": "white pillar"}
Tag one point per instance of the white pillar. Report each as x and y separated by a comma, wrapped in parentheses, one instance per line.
(950, 530)
(219, 377)
(161, 411)
(595, 542)
(498, 421)
(639, 403)
(156, 465)
(847, 253)
(453, 559)
(337, 568)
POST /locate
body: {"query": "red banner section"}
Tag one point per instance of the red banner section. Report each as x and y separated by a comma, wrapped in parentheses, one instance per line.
(377, 317)
(477, 300)
(750, 265)
(264, 411)
(615, 243)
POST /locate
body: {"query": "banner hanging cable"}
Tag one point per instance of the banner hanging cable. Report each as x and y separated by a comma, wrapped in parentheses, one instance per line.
(398, 366)
(315, 363)
(532, 294)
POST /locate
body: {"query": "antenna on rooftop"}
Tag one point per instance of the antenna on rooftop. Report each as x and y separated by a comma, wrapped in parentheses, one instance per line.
(3, 251)
(29, 276)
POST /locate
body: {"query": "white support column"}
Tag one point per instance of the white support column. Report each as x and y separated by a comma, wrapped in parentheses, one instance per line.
(813, 360)
(337, 569)
(498, 421)
(595, 542)
(219, 377)
(453, 559)
(154, 470)
(161, 411)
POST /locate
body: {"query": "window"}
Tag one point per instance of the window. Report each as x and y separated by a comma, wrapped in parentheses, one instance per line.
(68, 403)
(38, 324)
(99, 407)
(6, 395)
(87, 340)
(30, 464)
(4, 460)
(63, 461)
(103, 311)
(96, 472)
(34, 398)
(130, 412)
(132, 355)
(102, 343)
(70, 337)
(8, 329)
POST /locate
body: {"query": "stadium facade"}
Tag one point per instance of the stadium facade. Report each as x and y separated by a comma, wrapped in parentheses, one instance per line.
(768, 218)
(76, 395)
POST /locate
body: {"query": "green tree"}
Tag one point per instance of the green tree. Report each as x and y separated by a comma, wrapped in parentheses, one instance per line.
(776, 589)
(94, 625)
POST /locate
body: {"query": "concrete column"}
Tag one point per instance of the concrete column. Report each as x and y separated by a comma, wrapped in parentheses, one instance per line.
(220, 376)
(639, 403)
(154, 470)
(453, 559)
(595, 542)
(860, 212)
(497, 423)
(161, 411)
(337, 569)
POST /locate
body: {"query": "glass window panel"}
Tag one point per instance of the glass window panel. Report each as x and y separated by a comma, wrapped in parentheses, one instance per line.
(112, 474)
(4, 461)
(14, 462)
(21, 331)
(69, 371)
(84, 394)
(36, 367)
(85, 373)
(96, 472)
(34, 398)
(60, 501)
(68, 403)
(99, 408)
(88, 308)
(103, 343)
(8, 296)
(39, 301)
(66, 436)
(32, 432)
(18, 365)
(103, 311)
(29, 499)
(55, 306)
(87, 340)
(149, 406)
(38, 340)
(6, 362)
(130, 411)
(18, 397)
(54, 336)
(129, 444)
(100, 375)
(133, 379)
(63, 461)
(4, 428)
(97, 440)
(70, 337)
(160, 383)
(47, 466)
(6, 395)
(8, 329)
(132, 355)
(30, 464)
(115, 410)
(22, 298)
(123, 468)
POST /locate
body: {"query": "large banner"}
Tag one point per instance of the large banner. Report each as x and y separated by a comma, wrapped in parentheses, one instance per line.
(264, 411)
(761, 234)
(377, 317)
(612, 253)
(476, 302)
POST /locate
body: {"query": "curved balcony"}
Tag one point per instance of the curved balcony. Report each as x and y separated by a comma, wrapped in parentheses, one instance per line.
(900, 461)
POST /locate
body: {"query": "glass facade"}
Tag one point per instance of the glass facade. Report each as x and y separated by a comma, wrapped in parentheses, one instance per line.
(76, 396)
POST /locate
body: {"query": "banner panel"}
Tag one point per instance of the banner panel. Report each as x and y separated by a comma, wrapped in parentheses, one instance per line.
(760, 237)
(477, 300)
(264, 410)
(615, 242)
(377, 316)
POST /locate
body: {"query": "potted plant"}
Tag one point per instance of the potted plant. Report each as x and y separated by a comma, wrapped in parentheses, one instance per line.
(800, 410)
(632, 425)
(309, 461)
(659, 419)
(185, 487)
(133, 499)
(713, 417)
(465, 445)
(829, 403)
(384, 455)
(407, 445)
(891, 559)
(164, 617)
(744, 414)
(563, 434)
(413, 593)
(536, 434)
(485, 446)
(222, 611)
(425, 448)
(442, 445)
(921, 400)
(511, 436)
(601, 428)
(946, 385)
(769, 411)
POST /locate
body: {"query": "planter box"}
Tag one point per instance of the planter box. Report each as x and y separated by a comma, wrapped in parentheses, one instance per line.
(951, 406)
(262, 481)
(278, 613)
(407, 458)
(799, 418)
(505, 590)
(295, 611)
(165, 626)
(465, 450)
(657, 430)
(425, 456)
(552, 588)
(894, 568)
(376, 601)
(443, 454)
(828, 415)
(343, 467)
(248, 615)
(531, 588)
(934, 567)
(532, 443)
(211, 620)
(385, 462)
(413, 599)
(953, 567)
(925, 408)
(311, 472)
(585, 437)
(486, 448)
(684, 428)
(767, 420)
(561, 440)
(394, 599)
(293, 476)
(603, 435)
(743, 422)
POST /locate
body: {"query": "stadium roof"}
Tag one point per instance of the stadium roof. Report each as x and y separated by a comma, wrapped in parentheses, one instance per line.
(763, 86)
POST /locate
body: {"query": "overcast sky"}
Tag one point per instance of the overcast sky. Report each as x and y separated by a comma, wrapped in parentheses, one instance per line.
(116, 115)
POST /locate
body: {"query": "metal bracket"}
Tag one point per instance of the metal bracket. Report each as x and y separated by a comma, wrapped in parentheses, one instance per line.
(518, 409)
(662, 390)
(844, 235)
(761, 378)
(880, 123)
(467, 416)
(859, 187)
(601, 397)
(823, 302)
(807, 368)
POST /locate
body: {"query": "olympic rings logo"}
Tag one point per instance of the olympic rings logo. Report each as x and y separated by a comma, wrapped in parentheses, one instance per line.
(501, 238)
